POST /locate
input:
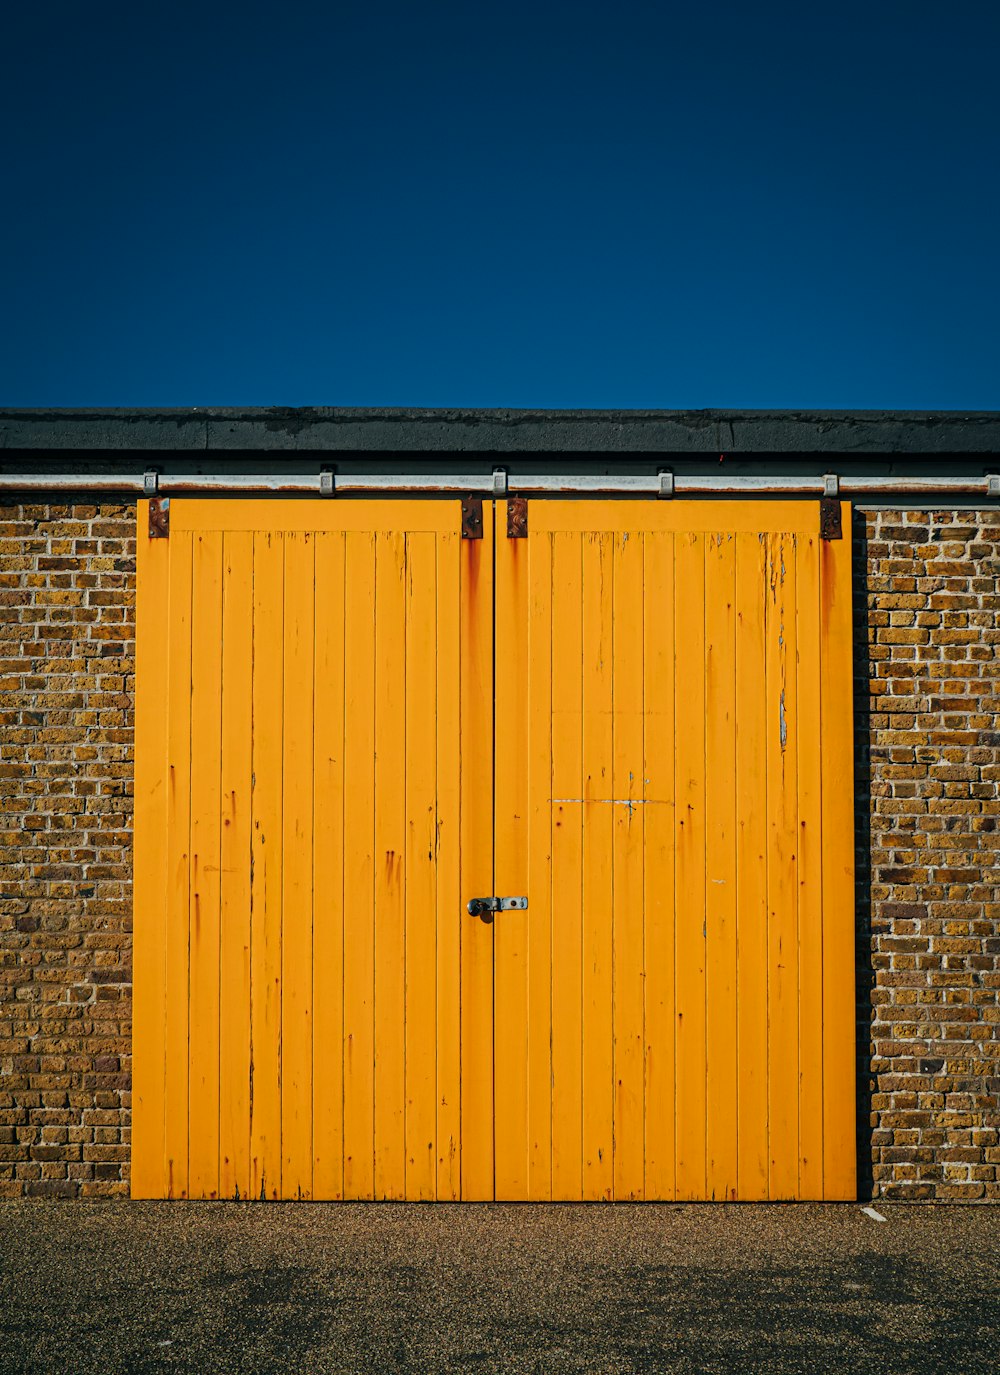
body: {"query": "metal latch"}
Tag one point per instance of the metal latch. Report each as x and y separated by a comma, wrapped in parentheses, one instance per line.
(486, 908)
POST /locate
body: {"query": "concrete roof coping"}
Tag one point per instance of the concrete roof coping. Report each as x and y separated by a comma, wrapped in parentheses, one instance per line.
(355, 430)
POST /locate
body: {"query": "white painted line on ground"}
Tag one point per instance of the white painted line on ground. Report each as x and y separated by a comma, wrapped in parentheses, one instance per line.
(870, 1212)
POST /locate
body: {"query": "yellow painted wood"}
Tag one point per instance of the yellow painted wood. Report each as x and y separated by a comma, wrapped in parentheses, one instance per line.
(782, 870)
(178, 884)
(420, 867)
(537, 747)
(659, 811)
(359, 867)
(297, 875)
(598, 868)
(316, 804)
(511, 817)
(689, 866)
(809, 866)
(839, 1168)
(476, 733)
(751, 861)
(678, 517)
(266, 866)
(234, 875)
(390, 864)
(629, 821)
(288, 515)
(148, 1176)
(447, 850)
(328, 972)
(301, 672)
(701, 895)
(206, 858)
(721, 712)
(567, 866)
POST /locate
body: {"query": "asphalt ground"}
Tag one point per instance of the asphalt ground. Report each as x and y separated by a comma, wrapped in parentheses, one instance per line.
(113, 1287)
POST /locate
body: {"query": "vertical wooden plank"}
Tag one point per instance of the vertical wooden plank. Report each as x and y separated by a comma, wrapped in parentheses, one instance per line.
(810, 869)
(539, 890)
(476, 558)
(297, 868)
(510, 932)
(328, 870)
(178, 841)
(359, 865)
(422, 725)
(658, 901)
(206, 808)
(266, 884)
(598, 862)
(839, 1167)
(447, 849)
(628, 919)
(153, 646)
(689, 620)
(720, 853)
(751, 794)
(234, 916)
(782, 994)
(567, 866)
(390, 861)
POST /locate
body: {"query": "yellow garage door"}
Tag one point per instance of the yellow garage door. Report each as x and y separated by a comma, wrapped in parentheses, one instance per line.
(675, 1009)
(313, 1019)
(353, 719)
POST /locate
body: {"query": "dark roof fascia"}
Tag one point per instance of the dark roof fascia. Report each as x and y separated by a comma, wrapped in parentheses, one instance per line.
(238, 431)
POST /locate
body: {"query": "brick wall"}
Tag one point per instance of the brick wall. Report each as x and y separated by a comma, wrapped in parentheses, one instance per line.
(67, 593)
(929, 890)
(928, 902)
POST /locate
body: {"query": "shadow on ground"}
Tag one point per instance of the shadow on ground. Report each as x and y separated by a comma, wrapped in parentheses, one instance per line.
(120, 1287)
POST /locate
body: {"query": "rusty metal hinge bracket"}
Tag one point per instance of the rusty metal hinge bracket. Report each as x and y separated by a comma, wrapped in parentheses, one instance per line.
(829, 508)
(517, 517)
(159, 518)
(472, 517)
(829, 518)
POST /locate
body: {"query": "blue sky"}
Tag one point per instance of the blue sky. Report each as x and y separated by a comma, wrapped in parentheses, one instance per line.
(635, 205)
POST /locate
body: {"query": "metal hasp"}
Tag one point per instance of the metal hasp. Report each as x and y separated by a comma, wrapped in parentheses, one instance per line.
(486, 908)
(517, 517)
(472, 517)
(159, 518)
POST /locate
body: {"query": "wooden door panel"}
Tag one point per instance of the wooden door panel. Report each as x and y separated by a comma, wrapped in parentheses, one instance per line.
(314, 1006)
(675, 1009)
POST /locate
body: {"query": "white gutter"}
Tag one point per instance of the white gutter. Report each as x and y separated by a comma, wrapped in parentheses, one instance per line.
(663, 484)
